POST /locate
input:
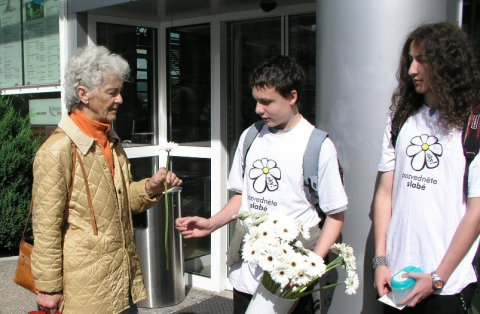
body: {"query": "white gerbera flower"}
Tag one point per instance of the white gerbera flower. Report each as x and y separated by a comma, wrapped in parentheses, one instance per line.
(287, 250)
(168, 146)
(242, 215)
(281, 274)
(350, 263)
(316, 264)
(286, 231)
(250, 253)
(352, 283)
(251, 236)
(343, 250)
(303, 230)
(265, 231)
(268, 257)
(302, 277)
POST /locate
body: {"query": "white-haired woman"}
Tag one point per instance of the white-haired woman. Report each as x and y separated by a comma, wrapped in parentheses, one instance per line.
(84, 258)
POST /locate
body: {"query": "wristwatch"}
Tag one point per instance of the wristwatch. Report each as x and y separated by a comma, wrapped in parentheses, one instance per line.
(437, 282)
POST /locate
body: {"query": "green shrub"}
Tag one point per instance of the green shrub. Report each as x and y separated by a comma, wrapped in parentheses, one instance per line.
(17, 151)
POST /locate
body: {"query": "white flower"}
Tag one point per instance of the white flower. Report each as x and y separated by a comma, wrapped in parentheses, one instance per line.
(251, 236)
(270, 241)
(294, 260)
(317, 265)
(268, 257)
(250, 253)
(287, 250)
(286, 231)
(281, 274)
(343, 250)
(350, 263)
(168, 146)
(302, 277)
(303, 231)
(351, 283)
(265, 231)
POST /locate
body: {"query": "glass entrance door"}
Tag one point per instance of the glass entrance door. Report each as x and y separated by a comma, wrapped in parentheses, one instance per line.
(189, 112)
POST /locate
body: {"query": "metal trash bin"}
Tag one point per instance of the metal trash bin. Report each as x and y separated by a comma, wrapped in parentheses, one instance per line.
(164, 288)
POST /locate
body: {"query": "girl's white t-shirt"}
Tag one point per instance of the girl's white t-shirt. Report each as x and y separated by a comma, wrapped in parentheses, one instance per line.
(274, 182)
(427, 199)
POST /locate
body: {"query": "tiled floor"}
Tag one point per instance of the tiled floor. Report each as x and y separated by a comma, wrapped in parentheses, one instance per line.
(193, 296)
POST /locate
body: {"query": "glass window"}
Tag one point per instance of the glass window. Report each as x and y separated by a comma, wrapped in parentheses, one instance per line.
(250, 43)
(189, 85)
(136, 122)
(29, 43)
(142, 168)
(44, 110)
(302, 46)
(195, 173)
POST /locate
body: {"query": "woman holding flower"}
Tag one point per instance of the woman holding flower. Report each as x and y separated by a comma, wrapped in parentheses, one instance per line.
(273, 182)
(84, 259)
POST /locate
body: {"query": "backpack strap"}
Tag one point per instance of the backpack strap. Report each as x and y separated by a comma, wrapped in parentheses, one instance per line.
(252, 133)
(471, 144)
(310, 164)
(395, 126)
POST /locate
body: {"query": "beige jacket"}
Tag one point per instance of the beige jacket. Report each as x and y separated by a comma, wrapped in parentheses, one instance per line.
(95, 272)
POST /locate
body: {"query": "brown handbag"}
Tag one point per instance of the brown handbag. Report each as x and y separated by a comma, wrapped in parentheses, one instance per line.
(23, 274)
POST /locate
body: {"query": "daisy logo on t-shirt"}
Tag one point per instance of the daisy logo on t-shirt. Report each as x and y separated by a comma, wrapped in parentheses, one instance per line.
(265, 174)
(425, 150)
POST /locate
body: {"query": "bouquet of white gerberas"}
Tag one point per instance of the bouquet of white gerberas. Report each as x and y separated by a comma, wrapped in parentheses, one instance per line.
(289, 268)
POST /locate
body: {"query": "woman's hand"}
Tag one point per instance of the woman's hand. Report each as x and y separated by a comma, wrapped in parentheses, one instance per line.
(156, 184)
(423, 288)
(382, 280)
(49, 302)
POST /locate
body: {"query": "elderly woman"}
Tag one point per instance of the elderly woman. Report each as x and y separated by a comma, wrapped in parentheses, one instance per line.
(84, 258)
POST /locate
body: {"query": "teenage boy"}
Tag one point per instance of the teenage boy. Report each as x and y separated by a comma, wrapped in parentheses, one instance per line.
(273, 171)
(422, 215)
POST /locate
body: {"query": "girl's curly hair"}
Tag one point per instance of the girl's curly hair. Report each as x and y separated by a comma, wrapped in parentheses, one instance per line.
(450, 61)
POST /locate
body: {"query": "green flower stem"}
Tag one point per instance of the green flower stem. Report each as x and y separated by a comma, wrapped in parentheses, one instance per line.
(166, 212)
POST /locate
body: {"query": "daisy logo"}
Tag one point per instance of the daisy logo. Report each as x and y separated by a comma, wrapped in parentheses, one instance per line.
(424, 150)
(265, 174)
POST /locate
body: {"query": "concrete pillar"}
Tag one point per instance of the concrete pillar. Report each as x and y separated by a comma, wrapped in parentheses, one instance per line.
(359, 44)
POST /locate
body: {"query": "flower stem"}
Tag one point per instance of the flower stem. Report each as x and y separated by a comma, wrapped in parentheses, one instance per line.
(166, 211)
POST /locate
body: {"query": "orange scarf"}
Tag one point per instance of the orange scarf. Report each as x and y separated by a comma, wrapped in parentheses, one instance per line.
(96, 130)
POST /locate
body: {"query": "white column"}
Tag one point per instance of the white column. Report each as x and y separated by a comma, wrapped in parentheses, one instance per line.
(358, 49)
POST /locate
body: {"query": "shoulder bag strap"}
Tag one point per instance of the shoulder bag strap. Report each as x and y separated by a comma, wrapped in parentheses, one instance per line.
(89, 196)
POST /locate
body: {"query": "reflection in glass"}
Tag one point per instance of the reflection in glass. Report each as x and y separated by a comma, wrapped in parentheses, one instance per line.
(21, 102)
(189, 85)
(252, 42)
(142, 168)
(302, 45)
(195, 173)
(136, 122)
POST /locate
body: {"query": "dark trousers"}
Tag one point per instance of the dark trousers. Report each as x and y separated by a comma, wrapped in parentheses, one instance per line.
(241, 301)
(440, 304)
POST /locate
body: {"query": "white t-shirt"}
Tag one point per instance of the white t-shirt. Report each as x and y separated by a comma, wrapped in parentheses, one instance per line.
(273, 181)
(427, 200)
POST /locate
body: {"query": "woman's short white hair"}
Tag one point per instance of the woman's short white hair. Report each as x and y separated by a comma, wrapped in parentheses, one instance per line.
(89, 67)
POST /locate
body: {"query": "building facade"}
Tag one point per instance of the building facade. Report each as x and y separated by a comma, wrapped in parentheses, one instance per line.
(191, 62)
